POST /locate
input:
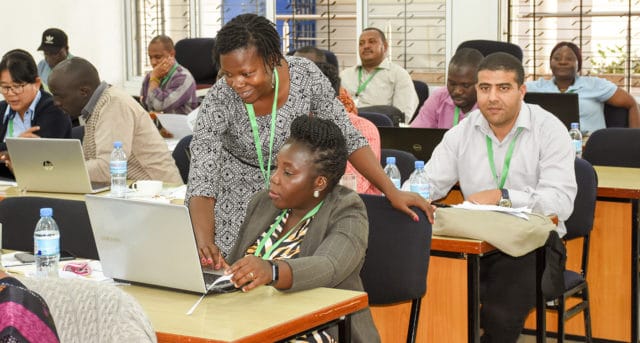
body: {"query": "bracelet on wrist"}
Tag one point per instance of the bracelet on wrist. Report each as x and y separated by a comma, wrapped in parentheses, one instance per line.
(275, 271)
(154, 79)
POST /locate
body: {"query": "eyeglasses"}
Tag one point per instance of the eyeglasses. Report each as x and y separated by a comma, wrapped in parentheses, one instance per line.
(16, 89)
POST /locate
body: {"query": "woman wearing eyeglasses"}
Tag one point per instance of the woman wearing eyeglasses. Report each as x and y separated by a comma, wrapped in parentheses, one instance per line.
(27, 110)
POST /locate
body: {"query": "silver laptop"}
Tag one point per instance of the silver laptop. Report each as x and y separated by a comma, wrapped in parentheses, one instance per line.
(149, 243)
(51, 165)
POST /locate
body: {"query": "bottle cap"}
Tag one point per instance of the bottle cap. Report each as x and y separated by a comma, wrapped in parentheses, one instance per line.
(391, 160)
(46, 212)
(575, 125)
(419, 164)
(117, 144)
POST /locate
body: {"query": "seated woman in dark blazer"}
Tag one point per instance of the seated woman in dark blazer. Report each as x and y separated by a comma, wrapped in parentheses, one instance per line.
(306, 231)
(27, 110)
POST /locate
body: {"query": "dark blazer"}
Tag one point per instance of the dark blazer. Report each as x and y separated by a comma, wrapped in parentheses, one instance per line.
(331, 253)
(53, 122)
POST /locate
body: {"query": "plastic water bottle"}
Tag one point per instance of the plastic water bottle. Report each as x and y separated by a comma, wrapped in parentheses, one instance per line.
(576, 138)
(392, 171)
(418, 181)
(46, 244)
(118, 168)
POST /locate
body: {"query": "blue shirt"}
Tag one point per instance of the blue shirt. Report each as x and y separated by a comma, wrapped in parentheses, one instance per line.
(592, 92)
(20, 125)
(44, 70)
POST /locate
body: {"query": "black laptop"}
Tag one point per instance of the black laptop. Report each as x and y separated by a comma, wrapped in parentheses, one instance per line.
(562, 105)
(418, 141)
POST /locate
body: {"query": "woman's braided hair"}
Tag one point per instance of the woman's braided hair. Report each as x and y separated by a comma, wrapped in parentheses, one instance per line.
(325, 140)
(248, 30)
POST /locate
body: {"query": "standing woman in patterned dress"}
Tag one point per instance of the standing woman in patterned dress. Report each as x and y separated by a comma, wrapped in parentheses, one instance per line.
(245, 119)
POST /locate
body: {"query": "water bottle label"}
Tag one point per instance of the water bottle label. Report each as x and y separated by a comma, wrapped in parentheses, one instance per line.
(396, 182)
(47, 246)
(577, 144)
(118, 167)
(422, 189)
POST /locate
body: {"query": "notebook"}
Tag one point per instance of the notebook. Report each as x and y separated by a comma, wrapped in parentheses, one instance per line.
(562, 105)
(418, 141)
(51, 165)
(150, 243)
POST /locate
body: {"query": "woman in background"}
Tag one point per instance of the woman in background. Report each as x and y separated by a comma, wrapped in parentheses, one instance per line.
(593, 92)
(27, 110)
(306, 231)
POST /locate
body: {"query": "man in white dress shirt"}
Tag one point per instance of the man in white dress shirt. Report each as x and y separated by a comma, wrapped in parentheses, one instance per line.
(377, 81)
(507, 153)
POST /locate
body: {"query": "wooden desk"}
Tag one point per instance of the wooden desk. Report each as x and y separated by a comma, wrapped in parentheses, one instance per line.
(262, 315)
(613, 260)
(15, 192)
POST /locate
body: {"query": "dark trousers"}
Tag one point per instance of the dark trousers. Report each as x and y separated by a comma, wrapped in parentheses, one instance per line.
(507, 294)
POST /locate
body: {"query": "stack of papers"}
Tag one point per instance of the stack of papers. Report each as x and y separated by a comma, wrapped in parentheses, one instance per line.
(520, 212)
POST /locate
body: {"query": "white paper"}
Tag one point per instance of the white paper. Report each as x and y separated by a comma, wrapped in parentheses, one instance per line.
(520, 212)
(176, 124)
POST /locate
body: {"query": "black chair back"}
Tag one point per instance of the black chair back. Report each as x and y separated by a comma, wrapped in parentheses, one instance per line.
(392, 112)
(405, 161)
(580, 222)
(379, 119)
(19, 216)
(487, 47)
(422, 89)
(616, 116)
(616, 147)
(196, 54)
(182, 157)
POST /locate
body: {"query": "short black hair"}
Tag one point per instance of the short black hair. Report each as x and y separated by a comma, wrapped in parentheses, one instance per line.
(166, 42)
(503, 61)
(248, 30)
(325, 140)
(382, 36)
(79, 72)
(466, 57)
(309, 49)
(332, 73)
(21, 66)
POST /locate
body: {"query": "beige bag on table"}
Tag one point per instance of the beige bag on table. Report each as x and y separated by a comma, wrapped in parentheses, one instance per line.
(512, 235)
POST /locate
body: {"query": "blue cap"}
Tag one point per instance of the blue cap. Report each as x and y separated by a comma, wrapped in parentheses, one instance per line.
(419, 164)
(391, 160)
(46, 212)
(575, 125)
(117, 144)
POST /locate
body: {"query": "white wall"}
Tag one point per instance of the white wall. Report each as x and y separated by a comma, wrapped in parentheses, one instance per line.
(95, 29)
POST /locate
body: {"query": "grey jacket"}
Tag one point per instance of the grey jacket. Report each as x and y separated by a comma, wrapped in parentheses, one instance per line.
(332, 251)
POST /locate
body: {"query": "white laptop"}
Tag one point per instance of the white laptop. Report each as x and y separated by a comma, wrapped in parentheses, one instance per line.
(150, 243)
(51, 165)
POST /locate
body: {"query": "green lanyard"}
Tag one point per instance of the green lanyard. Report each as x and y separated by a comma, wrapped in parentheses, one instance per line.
(10, 128)
(274, 226)
(456, 116)
(363, 85)
(169, 74)
(507, 159)
(266, 173)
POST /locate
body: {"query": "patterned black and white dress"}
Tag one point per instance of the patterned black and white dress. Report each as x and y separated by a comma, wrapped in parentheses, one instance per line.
(224, 163)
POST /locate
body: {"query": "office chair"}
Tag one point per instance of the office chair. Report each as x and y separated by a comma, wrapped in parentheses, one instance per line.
(422, 89)
(616, 116)
(579, 225)
(90, 311)
(616, 147)
(182, 157)
(19, 216)
(196, 54)
(397, 260)
(390, 111)
(404, 160)
(331, 57)
(379, 119)
(487, 47)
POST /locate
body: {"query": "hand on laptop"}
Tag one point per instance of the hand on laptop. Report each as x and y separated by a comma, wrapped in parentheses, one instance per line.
(250, 272)
(29, 133)
(210, 255)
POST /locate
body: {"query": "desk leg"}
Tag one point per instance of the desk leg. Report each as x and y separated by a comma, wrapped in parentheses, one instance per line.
(541, 306)
(344, 330)
(635, 256)
(473, 297)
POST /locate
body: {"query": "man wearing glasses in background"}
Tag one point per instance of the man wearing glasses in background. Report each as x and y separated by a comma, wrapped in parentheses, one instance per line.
(55, 47)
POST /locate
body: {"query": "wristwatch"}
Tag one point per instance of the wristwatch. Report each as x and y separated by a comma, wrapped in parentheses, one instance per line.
(275, 271)
(504, 199)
